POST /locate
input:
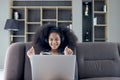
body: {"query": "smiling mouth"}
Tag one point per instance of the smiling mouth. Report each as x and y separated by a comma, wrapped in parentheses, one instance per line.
(54, 45)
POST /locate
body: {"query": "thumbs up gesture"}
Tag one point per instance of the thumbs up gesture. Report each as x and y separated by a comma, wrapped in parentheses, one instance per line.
(68, 51)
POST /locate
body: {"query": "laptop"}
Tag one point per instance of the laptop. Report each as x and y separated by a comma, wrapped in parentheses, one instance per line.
(53, 67)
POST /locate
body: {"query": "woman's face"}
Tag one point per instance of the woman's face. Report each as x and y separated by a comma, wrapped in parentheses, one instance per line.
(54, 40)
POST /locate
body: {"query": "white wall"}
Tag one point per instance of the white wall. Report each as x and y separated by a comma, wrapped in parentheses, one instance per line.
(4, 35)
(114, 21)
(77, 18)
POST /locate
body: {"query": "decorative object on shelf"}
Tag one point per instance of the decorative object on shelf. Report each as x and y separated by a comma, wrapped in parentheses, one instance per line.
(16, 15)
(86, 8)
(105, 8)
(95, 21)
(69, 26)
(11, 25)
(87, 36)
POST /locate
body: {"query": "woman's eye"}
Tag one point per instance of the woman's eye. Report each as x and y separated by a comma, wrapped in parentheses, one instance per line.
(54, 39)
(51, 39)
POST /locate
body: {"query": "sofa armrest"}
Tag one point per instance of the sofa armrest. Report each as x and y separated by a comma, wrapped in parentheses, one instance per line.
(14, 62)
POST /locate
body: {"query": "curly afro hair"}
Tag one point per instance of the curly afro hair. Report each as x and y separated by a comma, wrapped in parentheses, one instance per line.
(40, 39)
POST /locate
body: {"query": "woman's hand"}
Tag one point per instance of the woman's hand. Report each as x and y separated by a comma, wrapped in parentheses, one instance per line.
(68, 51)
(30, 52)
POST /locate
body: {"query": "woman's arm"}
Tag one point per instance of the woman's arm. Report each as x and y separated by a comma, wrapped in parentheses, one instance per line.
(31, 51)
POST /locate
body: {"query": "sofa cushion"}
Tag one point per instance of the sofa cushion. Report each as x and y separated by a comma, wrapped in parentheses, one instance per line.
(103, 78)
(100, 59)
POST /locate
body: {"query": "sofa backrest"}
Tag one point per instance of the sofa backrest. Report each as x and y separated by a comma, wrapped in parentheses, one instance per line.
(17, 64)
(94, 60)
(98, 59)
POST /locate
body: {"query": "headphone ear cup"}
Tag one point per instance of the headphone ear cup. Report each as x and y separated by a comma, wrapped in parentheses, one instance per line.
(46, 40)
(62, 39)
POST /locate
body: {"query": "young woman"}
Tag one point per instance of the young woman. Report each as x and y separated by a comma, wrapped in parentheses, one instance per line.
(54, 40)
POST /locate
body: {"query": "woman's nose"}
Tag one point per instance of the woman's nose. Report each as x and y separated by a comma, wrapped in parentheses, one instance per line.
(54, 41)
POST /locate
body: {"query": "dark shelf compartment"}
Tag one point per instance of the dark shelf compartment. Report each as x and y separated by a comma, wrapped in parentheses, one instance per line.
(49, 13)
(30, 37)
(100, 40)
(99, 32)
(99, 5)
(33, 27)
(49, 22)
(18, 39)
(21, 29)
(64, 24)
(34, 15)
(100, 18)
(64, 14)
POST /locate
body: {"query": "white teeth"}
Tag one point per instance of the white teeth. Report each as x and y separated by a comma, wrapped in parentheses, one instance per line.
(53, 46)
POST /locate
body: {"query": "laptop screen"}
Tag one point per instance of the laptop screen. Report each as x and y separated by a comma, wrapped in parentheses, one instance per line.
(53, 67)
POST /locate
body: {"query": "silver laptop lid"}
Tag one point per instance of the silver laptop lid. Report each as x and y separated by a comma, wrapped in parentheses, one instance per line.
(51, 67)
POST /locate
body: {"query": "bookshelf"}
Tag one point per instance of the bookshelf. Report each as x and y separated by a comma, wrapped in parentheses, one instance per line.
(95, 20)
(32, 14)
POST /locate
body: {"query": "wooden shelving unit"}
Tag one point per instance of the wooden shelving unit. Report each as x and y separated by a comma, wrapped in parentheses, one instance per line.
(100, 13)
(32, 14)
(95, 23)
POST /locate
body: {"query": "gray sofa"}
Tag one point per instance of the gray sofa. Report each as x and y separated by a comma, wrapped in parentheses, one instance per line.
(95, 61)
